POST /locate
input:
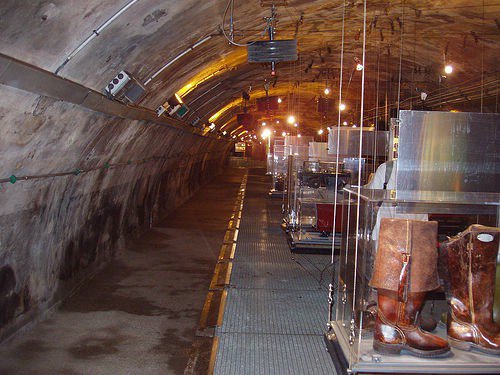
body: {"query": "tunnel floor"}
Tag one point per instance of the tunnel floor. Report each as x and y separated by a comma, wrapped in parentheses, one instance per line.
(140, 313)
(276, 307)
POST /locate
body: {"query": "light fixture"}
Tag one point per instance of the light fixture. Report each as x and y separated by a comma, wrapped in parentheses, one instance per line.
(283, 134)
(448, 69)
(224, 132)
(342, 106)
(298, 135)
(212, 126)
(279, 100)
(291, 119)
(320, 131)
(328, 128)
(296, 125)
(266, 133)
(359, 67)
(327, 91)
(179, 98)
(277, 121)
(264, 124)
(344, 123)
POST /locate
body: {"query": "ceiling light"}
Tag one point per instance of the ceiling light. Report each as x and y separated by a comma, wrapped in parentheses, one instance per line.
(291, 119)
(296, 125)
(277, 121)
(283, 134)
(327, 91)
(298, 135)
(342, 106)
(263, 124)
(279, 100)
(178, 98)
(266, 133)
(320, 131)
(344, 123)
(224, 132)
(448, 69)
(359, 67)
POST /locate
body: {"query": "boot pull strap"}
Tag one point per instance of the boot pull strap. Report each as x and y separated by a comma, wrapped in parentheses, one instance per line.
(403, 278)
(405, 269)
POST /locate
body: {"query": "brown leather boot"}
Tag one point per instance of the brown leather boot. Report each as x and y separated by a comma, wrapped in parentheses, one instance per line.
(472, 266)
(397, 328)
(405, 269)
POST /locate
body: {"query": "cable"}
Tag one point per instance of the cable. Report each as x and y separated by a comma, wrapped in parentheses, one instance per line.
(401, 52)
(230, 38)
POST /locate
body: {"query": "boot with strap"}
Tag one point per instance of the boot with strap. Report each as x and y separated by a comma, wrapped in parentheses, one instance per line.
(471, 259)
(405, 269)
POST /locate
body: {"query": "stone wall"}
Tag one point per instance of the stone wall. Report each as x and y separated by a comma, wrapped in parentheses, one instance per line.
(85, 182)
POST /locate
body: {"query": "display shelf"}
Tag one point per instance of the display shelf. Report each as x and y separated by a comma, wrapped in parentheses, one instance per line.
(352, 302)
(457, 362)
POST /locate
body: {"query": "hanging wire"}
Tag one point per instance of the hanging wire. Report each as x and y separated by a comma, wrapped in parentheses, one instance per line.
(230, 37)
(482, 65)
(358, 200)
(401, 52)
(337, 153)
(335, 203)
(375, 148)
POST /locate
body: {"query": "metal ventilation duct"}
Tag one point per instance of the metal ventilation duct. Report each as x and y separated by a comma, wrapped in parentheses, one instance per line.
(268, 51)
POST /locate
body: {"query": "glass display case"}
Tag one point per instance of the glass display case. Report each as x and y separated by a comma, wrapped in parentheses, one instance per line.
(312, 201)
(279, 170)
(356, 325)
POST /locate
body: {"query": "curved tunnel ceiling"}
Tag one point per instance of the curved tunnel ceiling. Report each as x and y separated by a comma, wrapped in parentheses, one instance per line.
(210, 74)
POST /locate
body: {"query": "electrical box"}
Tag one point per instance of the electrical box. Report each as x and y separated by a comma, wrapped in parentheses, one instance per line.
(125, 88)
(182, 111)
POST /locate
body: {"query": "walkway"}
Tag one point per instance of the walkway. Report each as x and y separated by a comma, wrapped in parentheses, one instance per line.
(276, 306)
(139, 315)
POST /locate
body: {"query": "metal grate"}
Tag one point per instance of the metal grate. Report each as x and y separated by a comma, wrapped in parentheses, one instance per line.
(275, 311)
(250, 354)
(276, 306)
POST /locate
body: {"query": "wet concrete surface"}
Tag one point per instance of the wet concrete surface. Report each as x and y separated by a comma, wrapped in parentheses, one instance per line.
(139, 314)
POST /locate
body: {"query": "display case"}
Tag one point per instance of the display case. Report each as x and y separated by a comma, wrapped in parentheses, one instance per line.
(311, 219)
(353, 302)
(279, 170)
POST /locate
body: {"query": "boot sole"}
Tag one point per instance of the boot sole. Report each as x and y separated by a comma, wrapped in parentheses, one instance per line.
(468, 346)
(395, 349)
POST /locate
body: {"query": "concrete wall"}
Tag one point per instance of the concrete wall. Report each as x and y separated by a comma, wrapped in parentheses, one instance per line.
(119, 176)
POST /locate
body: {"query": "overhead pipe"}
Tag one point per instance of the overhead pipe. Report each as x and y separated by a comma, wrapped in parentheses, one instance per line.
(95, 33)
(182, 54)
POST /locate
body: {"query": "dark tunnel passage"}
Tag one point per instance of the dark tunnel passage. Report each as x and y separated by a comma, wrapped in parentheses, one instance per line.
(129, 131)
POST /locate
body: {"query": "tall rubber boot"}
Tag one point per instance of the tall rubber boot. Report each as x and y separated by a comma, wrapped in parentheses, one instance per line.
(405, 269)
(472, 267)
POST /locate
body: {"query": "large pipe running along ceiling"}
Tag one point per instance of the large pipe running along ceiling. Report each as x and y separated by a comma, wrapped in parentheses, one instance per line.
(178, 47)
